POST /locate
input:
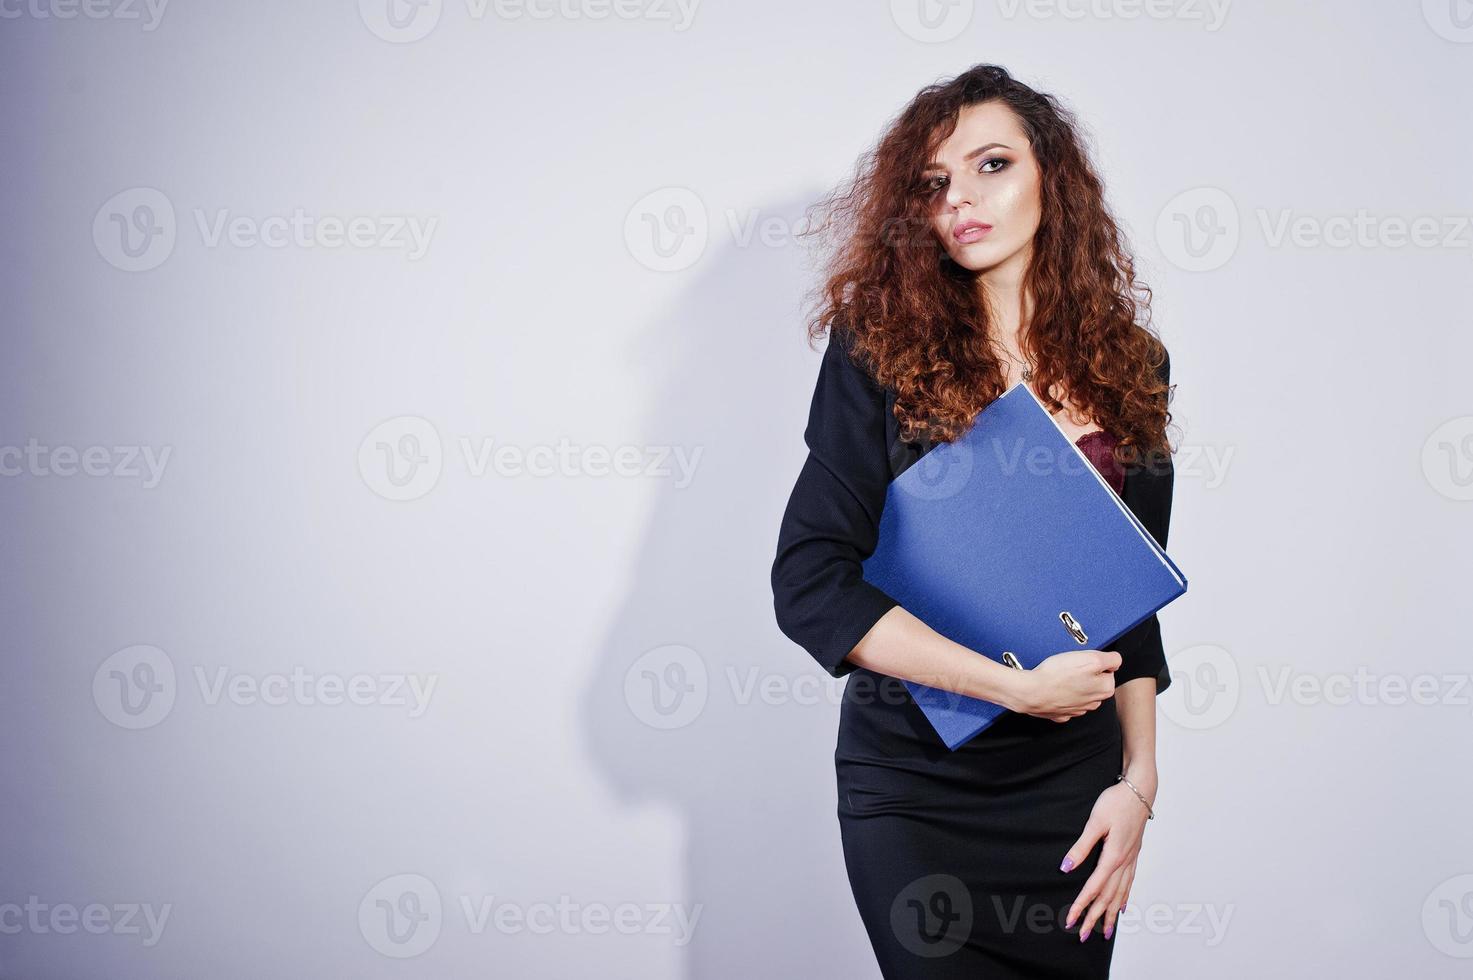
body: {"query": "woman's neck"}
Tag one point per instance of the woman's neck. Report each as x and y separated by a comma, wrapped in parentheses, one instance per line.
(1008, 307)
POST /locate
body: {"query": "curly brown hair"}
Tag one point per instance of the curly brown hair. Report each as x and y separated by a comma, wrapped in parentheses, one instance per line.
(916, 317)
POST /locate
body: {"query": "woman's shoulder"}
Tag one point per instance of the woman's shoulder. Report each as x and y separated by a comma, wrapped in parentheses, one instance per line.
(843, 350)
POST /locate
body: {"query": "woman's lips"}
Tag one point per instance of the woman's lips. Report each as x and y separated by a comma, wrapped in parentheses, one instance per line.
(970, 231)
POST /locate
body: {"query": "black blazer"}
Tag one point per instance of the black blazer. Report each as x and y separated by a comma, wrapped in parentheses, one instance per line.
(831, 523)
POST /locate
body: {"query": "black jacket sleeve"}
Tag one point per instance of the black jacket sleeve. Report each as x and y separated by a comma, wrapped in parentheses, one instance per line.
(832, 518)
(1147, 493)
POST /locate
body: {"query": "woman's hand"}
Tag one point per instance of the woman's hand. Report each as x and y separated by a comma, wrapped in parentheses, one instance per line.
(1120, 818)
(1068, 684)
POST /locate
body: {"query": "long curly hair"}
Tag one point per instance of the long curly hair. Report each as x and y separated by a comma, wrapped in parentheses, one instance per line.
(916, 318)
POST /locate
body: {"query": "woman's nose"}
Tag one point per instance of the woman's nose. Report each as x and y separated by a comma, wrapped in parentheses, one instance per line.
(960, 193)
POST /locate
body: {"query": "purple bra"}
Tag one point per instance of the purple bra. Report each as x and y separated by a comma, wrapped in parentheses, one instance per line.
(1098, 447)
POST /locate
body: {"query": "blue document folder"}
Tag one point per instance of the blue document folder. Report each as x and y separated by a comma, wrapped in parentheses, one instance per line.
(1009, 542)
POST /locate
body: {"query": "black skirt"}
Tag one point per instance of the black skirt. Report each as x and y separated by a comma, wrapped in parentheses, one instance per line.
(953, 856)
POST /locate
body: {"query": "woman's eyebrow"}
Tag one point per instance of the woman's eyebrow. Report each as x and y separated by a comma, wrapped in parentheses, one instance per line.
(937, 165)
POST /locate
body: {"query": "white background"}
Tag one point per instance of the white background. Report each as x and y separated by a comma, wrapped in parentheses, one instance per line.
(1308, 822)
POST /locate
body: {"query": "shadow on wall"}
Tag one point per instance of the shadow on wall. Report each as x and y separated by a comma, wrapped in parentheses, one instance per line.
(676, 713)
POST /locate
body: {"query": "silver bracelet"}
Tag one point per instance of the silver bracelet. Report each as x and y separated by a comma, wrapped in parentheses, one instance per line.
(1150, 814)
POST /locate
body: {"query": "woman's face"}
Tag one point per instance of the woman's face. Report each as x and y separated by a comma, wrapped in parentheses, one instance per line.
(985, 174)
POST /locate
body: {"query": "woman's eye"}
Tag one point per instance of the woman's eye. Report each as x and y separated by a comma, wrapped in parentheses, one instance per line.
(991, 165)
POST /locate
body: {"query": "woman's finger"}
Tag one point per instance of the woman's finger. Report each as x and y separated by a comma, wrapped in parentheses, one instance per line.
(1117, 901)
(1100, 904)
(1110, 862)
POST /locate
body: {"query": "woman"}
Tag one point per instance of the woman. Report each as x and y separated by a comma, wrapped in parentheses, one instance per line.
(1013, 855)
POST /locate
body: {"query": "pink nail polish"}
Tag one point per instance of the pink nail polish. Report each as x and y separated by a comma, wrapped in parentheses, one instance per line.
(1084, 935)
(1067, 864)
(1109, 931)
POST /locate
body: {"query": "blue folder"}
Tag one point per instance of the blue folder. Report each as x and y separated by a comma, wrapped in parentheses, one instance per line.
(1009, 542)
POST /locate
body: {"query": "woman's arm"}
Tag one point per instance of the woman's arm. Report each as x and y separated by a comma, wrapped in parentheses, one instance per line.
(1148, 490)
(1135, 704)
(1143, 673)
(1119, 817)
(900, 645)
(831, 524)
(1061, 687)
